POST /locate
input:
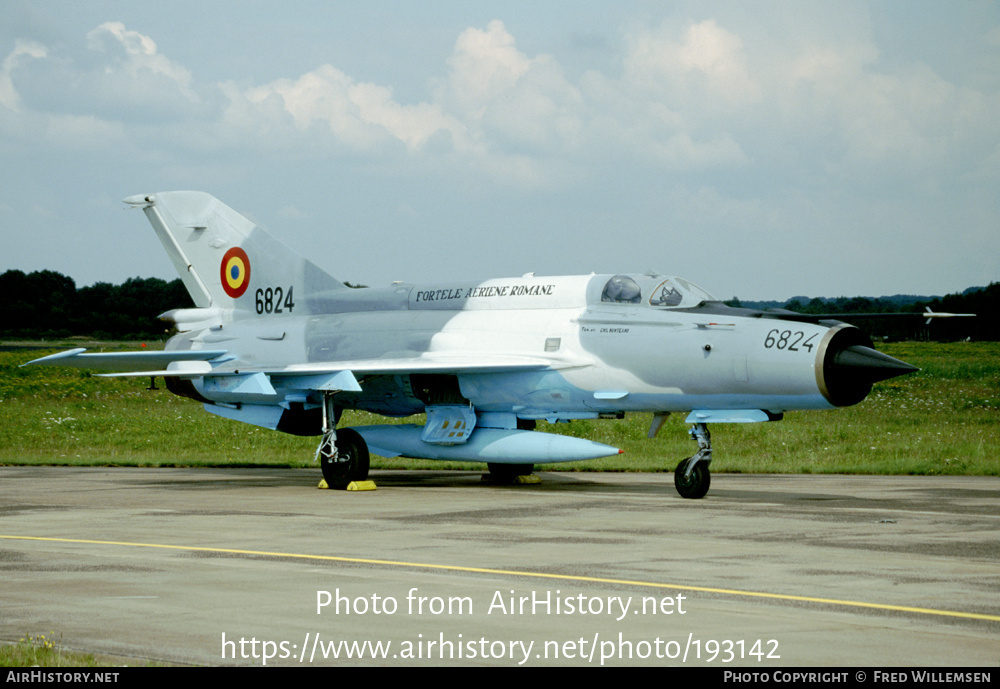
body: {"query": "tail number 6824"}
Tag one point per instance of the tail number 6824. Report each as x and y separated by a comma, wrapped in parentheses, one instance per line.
(274, 300)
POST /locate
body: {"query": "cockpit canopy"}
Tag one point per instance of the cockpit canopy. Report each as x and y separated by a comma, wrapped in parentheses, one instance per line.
(653, 290)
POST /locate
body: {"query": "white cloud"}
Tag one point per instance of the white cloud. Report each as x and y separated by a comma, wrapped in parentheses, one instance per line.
(707, 63)
(119, 77)
(517, 104)
(140, 56)
(909, 120)
(695, 95)
(9, 96)
(484, 66)
(360, 115)
(763, 110)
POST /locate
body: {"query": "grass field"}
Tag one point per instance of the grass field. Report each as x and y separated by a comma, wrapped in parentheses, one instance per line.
(943, 420)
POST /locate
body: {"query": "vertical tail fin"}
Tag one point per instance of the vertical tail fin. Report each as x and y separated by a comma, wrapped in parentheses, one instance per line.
(225, 260)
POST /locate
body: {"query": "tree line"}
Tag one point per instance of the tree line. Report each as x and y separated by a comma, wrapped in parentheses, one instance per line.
(48, 305)
(982, 301)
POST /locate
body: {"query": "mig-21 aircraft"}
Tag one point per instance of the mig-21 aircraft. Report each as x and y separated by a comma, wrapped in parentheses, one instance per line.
(275, 341)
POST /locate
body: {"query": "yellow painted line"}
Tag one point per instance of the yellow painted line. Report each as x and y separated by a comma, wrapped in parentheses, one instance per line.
(535, 575)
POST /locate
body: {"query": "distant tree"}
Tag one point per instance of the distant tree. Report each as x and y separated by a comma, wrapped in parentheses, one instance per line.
(48, 304)
(859, 305)
(38, 302)
(130, 309)
(815, 305)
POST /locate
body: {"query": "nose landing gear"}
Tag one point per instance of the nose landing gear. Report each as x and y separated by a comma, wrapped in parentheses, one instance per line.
(692, 477)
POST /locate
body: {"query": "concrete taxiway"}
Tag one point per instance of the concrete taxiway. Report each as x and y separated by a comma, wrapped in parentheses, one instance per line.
(255, 566)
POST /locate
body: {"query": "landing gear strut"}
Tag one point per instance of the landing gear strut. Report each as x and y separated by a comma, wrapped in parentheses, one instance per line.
(343, 456)
(692, 478)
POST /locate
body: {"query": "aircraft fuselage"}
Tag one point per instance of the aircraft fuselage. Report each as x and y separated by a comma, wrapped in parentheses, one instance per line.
(593, 357)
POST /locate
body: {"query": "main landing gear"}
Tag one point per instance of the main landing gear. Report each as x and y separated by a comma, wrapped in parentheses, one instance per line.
(343, 456)
(508, 473)
(692, 478)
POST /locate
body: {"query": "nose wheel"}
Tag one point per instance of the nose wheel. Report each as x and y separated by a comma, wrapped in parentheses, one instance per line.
(692, 477)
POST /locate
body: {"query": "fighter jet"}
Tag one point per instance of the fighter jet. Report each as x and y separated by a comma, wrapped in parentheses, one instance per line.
(275, 341)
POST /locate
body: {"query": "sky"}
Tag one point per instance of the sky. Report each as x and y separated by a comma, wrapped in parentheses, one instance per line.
(761, 150)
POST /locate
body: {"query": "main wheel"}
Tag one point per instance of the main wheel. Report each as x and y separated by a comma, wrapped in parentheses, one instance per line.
(506, 473)
(694, 486)
(352, 460)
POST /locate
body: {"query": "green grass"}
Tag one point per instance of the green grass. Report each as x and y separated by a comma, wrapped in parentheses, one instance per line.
(943, 420)
(44, 650)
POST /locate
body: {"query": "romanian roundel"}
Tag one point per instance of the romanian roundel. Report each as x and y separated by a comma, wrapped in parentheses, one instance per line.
(235, 272)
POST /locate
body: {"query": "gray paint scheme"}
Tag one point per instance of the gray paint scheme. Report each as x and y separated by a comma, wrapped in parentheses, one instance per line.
(276, 340)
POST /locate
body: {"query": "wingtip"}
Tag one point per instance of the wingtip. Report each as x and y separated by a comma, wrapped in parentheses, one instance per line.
(55, 358)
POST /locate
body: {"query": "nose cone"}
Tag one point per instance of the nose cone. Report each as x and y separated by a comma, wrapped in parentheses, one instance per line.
(848, 366)
(868, 366)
